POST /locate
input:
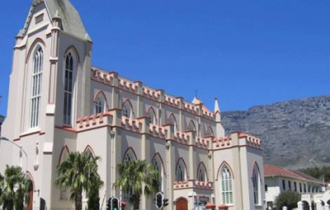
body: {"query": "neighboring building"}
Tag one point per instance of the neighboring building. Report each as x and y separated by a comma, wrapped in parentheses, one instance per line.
(59, 103)
(2, 118)
(278, 180)
(317, 198)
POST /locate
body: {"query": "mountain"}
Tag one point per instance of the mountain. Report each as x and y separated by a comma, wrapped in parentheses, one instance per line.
(295, 134)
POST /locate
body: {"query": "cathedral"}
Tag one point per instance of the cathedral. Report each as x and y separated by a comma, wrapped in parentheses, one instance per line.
(60, 103)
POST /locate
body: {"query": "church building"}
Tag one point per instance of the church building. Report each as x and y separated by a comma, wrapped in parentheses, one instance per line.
(60, 103)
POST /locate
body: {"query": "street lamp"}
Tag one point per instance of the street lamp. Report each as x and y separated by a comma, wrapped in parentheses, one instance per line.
(2, 138)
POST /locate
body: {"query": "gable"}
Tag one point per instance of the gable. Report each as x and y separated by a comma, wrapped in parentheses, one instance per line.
(38, 18)
(71, 21)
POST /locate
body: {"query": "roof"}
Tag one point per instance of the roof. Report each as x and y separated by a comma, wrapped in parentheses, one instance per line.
(70, 17)
(271, 170)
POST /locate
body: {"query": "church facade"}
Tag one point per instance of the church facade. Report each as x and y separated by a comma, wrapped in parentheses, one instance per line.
(59, 103)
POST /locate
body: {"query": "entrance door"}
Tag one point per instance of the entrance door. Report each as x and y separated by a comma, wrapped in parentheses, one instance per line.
(30, 204)
(182, 204)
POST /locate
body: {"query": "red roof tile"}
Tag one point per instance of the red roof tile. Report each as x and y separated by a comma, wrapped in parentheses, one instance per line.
(271, 170)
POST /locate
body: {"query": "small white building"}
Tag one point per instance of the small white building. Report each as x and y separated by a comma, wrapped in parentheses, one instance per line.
(317, 199)
(59, 103)
(278, 180)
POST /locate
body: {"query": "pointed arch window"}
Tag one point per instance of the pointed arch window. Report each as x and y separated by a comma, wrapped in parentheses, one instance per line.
(171, 120)
(191, 126)
(256, 185)
(89, 153)
(64, 193)
(226, 183)
(209, 131)
(68, 89)
(152, 116)
(157, 162)
(99, 106)
(180, 172)
(129, 156)
(127, 110)
(36, 87)
(201, 173)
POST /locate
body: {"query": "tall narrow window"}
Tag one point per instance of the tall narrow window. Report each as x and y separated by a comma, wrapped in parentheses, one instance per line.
(201, 175)
(180, 171)
(158, 166)
(152, 116)
(255, 180)
(99, 106)
(36, 87)
(227, 188)
(68, 90)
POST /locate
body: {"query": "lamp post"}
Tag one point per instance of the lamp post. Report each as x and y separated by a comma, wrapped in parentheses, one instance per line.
(2, 138)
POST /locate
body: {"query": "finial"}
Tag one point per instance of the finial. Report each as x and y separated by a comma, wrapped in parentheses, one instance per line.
(56, 14)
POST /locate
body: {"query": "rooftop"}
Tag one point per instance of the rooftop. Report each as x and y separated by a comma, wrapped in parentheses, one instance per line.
(271, 170)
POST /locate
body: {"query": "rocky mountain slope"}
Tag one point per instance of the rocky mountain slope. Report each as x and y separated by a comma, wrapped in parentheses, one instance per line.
(295, 134)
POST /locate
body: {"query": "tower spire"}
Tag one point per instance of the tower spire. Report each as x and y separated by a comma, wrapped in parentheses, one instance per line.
(216, 105)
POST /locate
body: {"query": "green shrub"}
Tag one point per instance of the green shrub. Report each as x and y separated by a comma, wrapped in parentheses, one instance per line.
(289, 199)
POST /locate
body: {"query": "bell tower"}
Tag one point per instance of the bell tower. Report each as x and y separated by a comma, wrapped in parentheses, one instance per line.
(49, 89)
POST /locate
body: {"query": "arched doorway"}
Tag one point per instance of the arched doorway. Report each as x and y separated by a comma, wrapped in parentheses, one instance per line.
(306, 205)
(30, 204)
(182, 204)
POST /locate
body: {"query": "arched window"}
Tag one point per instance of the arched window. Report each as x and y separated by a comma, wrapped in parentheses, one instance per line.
(152, 116)
(226, 183)
(256, 184)
(201, 173)
(89, 152)
(128, 109)
(68, 90)
(64, 193)
(157, 162)
(191, 126)
(99, 106)
(171, 120)
(36, 87)
(180, 171)
(129, 155)
(209, 131)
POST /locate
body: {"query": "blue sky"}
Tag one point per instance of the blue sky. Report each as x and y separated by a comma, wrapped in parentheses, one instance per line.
(245, 52)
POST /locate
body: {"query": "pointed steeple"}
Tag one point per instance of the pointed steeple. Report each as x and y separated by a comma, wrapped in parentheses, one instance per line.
(216, 105)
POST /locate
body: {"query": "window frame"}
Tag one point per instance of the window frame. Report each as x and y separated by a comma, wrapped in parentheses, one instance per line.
(36, 87)
(68, 90)
(227, 185)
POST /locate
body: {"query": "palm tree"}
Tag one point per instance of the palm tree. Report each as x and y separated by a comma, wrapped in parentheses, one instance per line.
(1, 186)
(133, 174)
(14, 188)
(79, 173)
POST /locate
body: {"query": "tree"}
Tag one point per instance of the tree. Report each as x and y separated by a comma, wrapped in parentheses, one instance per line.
(79, 173)
(14, 188)
(135, 178)
(94, 185)
(319, 173)
(289, 199)
(1, 187)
